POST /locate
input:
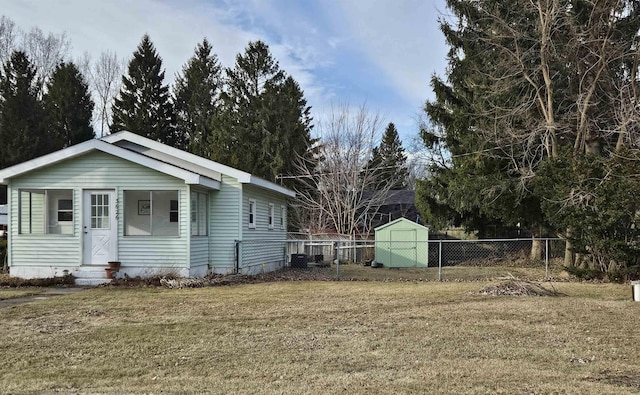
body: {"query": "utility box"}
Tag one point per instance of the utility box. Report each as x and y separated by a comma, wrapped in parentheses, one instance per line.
(299, 260)
(402, 243)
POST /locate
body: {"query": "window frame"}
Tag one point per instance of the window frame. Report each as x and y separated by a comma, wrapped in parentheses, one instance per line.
(252, 213)
(283, 215)
(195, 214)
(127, 214)
(272, 215)
(50, 212)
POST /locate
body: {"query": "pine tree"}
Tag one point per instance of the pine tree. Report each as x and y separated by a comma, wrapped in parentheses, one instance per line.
(22, 129)
(241, 128)
(143, 105)
(264, 122)
(196, 95)
(68, 107)
(388, 160)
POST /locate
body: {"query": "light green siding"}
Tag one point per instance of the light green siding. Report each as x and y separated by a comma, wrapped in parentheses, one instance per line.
(402, 243)
(98, 170)
(224, 220)
(254, 252)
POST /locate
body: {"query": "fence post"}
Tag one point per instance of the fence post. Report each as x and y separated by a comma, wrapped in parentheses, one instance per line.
(336, 255)
(440, 260)
(546, 258)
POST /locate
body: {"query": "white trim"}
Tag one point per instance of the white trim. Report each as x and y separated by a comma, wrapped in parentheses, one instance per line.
(252, 213)
(189, 177)
(241, 176)
(283, 217)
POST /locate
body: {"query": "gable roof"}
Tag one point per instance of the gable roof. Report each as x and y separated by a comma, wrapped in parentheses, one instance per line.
(191, 168)
(164, 152)
(403, 220)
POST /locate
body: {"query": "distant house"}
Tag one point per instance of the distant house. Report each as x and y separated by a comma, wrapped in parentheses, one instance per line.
(399, 203)
(154, 208)
(3, 220)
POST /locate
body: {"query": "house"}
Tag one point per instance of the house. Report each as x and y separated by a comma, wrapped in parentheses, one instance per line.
(397, 203)
(154, 208)
(3, 221)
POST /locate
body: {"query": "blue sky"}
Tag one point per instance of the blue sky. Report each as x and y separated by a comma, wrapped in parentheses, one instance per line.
(378, 52)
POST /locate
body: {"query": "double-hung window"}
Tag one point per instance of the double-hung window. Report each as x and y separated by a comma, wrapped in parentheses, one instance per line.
(252, 213)
(272, 214)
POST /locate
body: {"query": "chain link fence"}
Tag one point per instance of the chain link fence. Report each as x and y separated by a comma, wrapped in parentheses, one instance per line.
(420, 259)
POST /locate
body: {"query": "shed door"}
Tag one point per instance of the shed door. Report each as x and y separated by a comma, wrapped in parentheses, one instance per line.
(99, 227)
(403, 248)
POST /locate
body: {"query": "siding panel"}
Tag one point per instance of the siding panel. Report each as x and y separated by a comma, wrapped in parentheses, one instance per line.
(224, 219)
(98, 170)
(256, 248)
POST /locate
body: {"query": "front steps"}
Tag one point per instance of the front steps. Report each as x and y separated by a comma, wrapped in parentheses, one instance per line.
(91, 276)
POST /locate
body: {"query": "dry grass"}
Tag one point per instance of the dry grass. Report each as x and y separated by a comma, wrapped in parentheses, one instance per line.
(11, 293)
(449, 273)
(324, 337)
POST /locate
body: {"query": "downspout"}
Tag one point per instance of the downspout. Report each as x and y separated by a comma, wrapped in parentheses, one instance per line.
(236, 263)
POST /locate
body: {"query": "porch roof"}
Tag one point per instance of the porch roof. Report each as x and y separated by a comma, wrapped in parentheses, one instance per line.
(190, 176)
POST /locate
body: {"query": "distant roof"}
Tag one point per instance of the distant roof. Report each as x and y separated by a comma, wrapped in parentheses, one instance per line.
(397, 196)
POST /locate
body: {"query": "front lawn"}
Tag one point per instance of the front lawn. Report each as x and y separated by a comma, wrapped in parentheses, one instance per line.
(324, 337)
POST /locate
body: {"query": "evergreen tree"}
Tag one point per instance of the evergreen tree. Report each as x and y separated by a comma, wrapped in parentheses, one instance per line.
(241, 128)
(196, 95)
(388, 160)
(289, 130)
(22, 129)
(535, 120)
(143, 105)
(68, 107)
(264, 122)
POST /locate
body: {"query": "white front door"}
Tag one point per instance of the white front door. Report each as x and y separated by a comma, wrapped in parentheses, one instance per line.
(99, 227)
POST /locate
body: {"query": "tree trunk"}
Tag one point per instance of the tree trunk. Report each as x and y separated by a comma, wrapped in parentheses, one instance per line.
(569, 255)
(536, 249)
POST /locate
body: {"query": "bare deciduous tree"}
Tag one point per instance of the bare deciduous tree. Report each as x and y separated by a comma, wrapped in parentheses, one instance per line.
(45, 51)
(8, 36)
(106, 78)
(338, 191)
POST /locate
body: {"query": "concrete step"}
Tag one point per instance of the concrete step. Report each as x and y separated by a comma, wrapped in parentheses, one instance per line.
(91, 282)
(91, 276)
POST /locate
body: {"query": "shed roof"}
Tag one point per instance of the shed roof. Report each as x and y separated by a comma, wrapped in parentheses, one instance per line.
(401, 220)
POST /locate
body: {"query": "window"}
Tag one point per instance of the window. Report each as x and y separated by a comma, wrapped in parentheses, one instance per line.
(100, 211)
(151, 213)
(252, 213)
(65, 210)
(173, 211)
(199, 223)
(283, 214)
(45, 211)
(272, 215)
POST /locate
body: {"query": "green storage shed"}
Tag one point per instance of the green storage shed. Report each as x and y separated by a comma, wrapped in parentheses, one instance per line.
(402, 243)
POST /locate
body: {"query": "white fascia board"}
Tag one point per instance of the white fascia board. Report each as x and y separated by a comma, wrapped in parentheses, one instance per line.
(188, 176)
(49, 159)
(165, 157)
(259, 182)
(208, 183)
(91, 145)
(242, 176)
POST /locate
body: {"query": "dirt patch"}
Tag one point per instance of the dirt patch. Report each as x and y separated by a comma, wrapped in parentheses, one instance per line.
(621, 379)
(308, 274)
(517, 287)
